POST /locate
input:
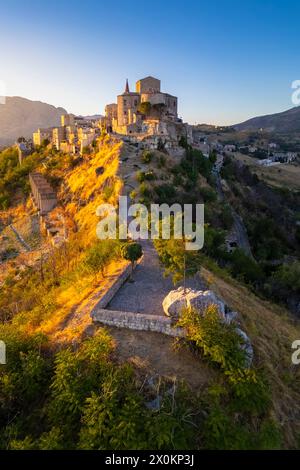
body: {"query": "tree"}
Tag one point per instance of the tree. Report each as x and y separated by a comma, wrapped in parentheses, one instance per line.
(147, 156)
(145, 107)
(100, 255)
(132, 252)
(178, 262)
(45, 142)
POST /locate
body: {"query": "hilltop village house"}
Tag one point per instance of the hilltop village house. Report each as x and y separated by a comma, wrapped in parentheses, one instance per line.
(73, 135)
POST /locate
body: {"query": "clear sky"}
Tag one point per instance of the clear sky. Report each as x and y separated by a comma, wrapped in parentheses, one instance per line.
(226, 60)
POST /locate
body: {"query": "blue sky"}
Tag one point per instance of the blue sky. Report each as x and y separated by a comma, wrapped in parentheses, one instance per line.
(225, 60)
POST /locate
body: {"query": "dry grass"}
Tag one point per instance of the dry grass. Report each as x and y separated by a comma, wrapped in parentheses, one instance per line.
(283, 175)
(87, 188)
(75, 303)
(272, 331)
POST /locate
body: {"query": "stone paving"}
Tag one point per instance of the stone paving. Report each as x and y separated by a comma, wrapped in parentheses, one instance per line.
(148, 288)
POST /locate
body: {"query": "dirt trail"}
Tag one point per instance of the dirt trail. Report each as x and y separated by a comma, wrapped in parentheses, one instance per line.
(154, 353)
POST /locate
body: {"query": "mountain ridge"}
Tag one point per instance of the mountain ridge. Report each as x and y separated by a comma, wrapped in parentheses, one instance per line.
(21, 117)
(284, 121)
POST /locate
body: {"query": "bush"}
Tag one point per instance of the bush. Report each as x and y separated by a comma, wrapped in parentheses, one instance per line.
(107, 193)
(100, 255)
(218, 341)
(147, 156)
(144, 190)
(140, 176)
(245, 268)
(165, 193)
(208, 194)
(132, 252)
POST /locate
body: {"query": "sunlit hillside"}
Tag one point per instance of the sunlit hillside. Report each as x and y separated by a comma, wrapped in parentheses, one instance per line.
(92, 183)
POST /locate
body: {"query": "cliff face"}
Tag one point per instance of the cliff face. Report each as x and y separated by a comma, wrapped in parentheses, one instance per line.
(21, 117)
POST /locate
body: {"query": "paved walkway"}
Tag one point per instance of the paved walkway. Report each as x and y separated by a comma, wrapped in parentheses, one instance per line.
(148, 289)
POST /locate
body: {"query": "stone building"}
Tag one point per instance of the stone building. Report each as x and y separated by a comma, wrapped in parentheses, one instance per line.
(43, 196)
(127, 107)
(135, 108)
(67, 120)
(24, 149)
(41, 135)
(111, 111)
(58, 136)
(147, 85)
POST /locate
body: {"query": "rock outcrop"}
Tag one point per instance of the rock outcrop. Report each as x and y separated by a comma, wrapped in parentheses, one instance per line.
(178, 299)
(181, 298)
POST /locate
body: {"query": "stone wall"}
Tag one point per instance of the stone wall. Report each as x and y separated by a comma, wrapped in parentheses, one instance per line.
(131, 320)
(111, 292)
(136, 321)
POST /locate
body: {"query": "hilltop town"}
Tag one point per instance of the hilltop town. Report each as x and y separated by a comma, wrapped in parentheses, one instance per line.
(147, 117)
(145, 294)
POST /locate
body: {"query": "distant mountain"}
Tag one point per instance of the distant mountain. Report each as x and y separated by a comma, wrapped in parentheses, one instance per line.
(287, 121)
(93, 117)
(21, 117)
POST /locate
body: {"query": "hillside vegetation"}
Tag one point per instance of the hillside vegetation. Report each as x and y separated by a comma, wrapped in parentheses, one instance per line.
(65, 386)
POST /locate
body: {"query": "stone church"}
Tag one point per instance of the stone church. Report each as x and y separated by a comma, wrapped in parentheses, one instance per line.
(143, 111)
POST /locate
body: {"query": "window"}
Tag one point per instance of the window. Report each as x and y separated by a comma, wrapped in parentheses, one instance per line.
(125, 112)
(135, 102)
(124, 102)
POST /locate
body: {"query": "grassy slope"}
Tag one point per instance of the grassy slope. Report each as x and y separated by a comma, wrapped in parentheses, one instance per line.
(62, 310)
(283, 175)
(270, 327)
(272, 331)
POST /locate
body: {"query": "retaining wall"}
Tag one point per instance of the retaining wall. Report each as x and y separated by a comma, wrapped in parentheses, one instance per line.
(136, 321)
(131, 320)
(113, 289)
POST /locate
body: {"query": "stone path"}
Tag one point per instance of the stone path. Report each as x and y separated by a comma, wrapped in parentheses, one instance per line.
(148, 289)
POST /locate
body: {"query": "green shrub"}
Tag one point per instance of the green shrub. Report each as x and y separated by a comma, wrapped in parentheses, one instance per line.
(107, 193)
(218, 341)
(208, 194)
(132, 252)
(165, 192)
(144, 190)
(147, 156)
(100, 255)
(140, 176)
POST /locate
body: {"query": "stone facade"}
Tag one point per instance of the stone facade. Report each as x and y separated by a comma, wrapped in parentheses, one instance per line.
(40, 135)
(137, 321)
(111, 111)
(74, 134)
(128, 116)
(67, 120)
(43, 195)
(58, 136)
(147, 85)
